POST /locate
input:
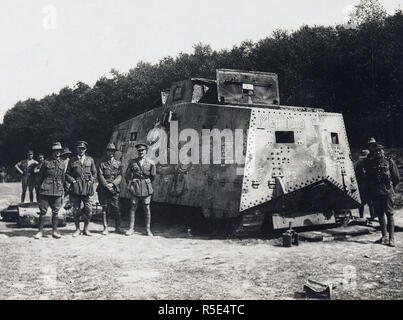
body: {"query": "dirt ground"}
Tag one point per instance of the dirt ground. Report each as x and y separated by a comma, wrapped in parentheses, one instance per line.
(175, 265)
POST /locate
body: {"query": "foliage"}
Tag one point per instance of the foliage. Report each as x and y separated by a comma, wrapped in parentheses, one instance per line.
(367, 11)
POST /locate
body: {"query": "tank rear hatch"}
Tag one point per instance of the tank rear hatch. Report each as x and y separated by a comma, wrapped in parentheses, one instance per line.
(241, 87)
(194, 90)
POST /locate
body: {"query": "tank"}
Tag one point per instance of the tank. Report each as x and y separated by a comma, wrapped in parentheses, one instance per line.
(228, 150)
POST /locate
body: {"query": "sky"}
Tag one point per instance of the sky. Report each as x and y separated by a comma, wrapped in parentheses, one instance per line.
(49, 44)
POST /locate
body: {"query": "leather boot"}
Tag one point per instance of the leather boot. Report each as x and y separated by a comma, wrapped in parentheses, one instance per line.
(77, 223)
(383, 240)
(105, 223)
(372, 211)
(55, 232)
(131, 223)
(148, 223)
(86, 231)
(391, 231)
(40, 233)
(382, 224)
(117, 224)
(31, 196)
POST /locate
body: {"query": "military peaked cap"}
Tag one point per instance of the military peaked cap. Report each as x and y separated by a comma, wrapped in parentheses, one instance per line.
(141, 146)
(82, 144)
(111, 146)
(66, 151)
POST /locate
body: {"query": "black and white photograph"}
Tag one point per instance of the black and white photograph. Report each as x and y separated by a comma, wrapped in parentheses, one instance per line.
(201, 155)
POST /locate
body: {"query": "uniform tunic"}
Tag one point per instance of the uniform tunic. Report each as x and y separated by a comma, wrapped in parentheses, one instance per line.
(51, 179)
(139, 177)
(382, 176)
(84, 174)
(109, 171)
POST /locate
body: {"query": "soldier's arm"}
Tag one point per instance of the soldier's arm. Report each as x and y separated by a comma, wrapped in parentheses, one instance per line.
(118, 179)
(93, 170)
(101, 177)
(37, 168)
(153, 171)
(68, 175)
(394, 172)
(128, 173)
(17, 166)
(41, 174)
(129, 176)
(64, 173)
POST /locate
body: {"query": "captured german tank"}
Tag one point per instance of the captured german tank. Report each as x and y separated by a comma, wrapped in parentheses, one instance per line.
(228, 150)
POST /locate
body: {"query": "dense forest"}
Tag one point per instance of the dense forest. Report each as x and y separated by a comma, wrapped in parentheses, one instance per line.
(355, 69)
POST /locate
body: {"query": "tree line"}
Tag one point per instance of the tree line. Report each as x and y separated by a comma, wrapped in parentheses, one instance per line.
(353, 69)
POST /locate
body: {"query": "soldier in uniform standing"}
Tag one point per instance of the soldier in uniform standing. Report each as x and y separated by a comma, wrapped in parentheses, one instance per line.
(37, 169)
(371, 144)
(81, 173)
(139, 176)
(66, 154)
(110, 177)
(382, 176)
(363, 185)
(26, 168)
(3, 174)
(51, 191)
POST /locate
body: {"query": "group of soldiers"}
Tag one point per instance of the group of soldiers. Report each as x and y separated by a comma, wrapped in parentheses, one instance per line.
(60, 175)
(378, 176)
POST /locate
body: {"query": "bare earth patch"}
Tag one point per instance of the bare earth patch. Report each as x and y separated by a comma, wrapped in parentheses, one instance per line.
(173, 265)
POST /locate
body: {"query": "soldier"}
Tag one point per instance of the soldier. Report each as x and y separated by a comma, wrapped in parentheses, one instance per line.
(382, 176)
(66, 154)
(139, 176)
(363, 185)
(371, 146)
(81, 173)
(26, 168)
(3, 174)
(51, 191)
(109, 177)
(37, 169)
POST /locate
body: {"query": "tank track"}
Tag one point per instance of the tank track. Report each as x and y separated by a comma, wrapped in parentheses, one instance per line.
(250, 224)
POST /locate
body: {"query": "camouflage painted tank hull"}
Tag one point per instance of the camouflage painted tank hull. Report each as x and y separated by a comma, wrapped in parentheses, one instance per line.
(296, 163)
